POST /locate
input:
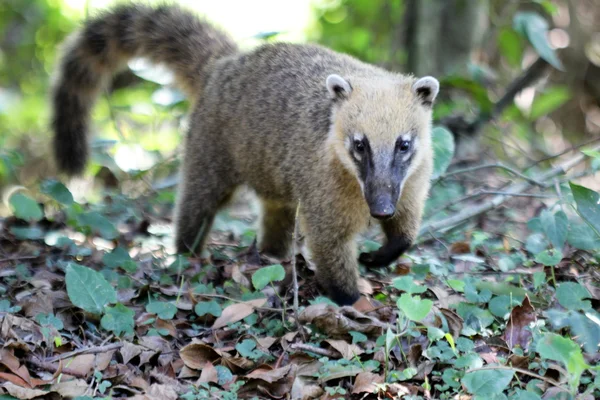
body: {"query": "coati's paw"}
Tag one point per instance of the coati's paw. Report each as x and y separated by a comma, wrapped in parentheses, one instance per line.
(386, 254)
(376, 259)
(343, 297)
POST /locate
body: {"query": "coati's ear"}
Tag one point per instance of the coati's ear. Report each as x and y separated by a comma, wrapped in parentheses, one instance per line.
(426, 89)
(338, 87)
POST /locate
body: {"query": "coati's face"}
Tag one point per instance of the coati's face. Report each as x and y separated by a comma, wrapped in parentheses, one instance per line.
(381, 131)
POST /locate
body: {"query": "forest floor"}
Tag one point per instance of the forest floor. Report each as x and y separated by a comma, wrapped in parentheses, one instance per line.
(93, 304)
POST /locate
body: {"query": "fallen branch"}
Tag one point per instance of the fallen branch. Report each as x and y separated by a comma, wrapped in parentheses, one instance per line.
(87, 350)
(470, 212)
(489, 166)
(316, 350)
(47, 366)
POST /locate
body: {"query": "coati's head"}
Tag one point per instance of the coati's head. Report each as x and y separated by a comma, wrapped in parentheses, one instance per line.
(381, 132)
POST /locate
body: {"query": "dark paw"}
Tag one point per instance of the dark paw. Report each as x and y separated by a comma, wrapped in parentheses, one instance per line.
(375, 259)
(344, 298)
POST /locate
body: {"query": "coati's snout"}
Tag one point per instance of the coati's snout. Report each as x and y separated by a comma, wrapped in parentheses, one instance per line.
(382, 185)
(382, 146)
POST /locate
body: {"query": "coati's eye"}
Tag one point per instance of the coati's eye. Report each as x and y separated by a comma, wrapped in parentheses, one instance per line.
(359, 146)
(403, 145)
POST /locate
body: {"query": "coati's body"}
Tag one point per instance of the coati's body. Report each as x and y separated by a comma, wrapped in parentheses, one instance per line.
(284, 119)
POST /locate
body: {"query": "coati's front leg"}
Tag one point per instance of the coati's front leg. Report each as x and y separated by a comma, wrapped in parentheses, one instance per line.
(397, 242)
(402, 229)
(278, 222)
(334, 252)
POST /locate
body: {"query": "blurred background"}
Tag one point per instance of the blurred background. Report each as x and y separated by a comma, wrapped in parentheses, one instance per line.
(479, 49)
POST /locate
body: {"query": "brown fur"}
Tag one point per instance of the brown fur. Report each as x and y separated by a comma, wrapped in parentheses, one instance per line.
(266, 119)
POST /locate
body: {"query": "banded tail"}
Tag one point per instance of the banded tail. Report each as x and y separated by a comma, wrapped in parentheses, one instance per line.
(102, 47)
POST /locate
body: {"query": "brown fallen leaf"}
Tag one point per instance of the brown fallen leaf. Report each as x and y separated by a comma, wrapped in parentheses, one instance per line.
(9, 360)
(70, 389)
(22, 393)
(196, 355)
(237, 312)
(336, 322)
(516, 332)
(347, 350)
(83, 363)
(129, 351)
(209, 374)
(460, 248)
(305, 389)
(163, 392)
(364, 286)
(455, 322)
(237, 364)
(268, 374)
(266, 342)
(366, 382)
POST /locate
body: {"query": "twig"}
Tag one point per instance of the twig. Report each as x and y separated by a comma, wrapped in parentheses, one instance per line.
(536, 195)
(459, 125)
(487, 166)
(46, 366)
(468, 213)
(294, 270)
(316, 350)
(88, 350)
(220, 296)
(521, 371)
(563, 152)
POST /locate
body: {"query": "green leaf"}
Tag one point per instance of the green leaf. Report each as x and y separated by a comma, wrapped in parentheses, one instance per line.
(555, 226)
(548, 101)
(443, 150)
(208, 307)
(25, 207)
(511, 46)
(584, 327)
(475, 317)
(358, 337)
(588, 205)
(549, 257)
(162, 309)
(266, 275)
(119, 257)
(57, 191)
(487, 382)
(535, 28)
(524, 395)
(247, 348)
(536, 243)
(434, 333)
(26, 233)
(88, 289)
(49, 320)
(582, 237)
(564, 350)
(475, 296)
(501, 306)
(539, 278)
(414, 308)
(407, 284)
(570, 295)
(118, 319)
(469, 361)
(98, 223)
(224, 375)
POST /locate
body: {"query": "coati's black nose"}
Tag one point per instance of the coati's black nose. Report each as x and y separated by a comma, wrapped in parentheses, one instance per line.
(383, 212)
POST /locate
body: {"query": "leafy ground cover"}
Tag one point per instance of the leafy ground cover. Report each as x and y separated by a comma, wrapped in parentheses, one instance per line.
(94, 304)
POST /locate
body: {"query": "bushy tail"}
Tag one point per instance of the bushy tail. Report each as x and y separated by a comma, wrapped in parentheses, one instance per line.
(102, 47)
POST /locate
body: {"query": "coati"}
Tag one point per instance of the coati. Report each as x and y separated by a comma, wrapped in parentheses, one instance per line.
(299, 124)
